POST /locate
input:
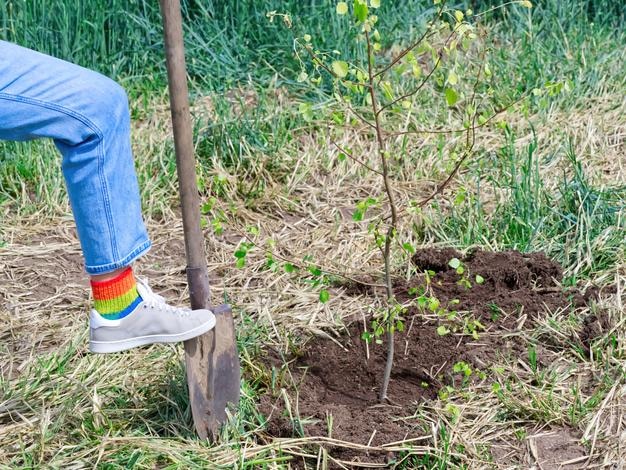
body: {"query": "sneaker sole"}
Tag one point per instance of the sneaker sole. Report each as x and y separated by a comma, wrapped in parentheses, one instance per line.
(103, 347)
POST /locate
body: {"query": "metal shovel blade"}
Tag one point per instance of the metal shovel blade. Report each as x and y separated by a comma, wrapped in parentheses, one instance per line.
(213, 374)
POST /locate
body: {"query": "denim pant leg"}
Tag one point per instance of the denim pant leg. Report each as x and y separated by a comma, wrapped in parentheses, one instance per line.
(87, 116)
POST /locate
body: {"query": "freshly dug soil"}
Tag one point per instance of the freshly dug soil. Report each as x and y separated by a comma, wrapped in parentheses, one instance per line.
(343, 381)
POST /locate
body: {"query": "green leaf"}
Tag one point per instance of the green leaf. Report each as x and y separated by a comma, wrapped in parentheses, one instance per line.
(324, 296)
(270, 262)
(340, 68)
(289, 268)
(241, 262)
(408, 247)
(451, 96)
(217, 226)
(453, 79)
(360, 10)
(480, 279)
(315, 271)
(357, 215)
(459, 198)
(240, 254)
(454, 263)
(342, 8)
(442, 330)
(387, 90)
(306, 109)
(341, 157)
(375, 3)
(206, 208)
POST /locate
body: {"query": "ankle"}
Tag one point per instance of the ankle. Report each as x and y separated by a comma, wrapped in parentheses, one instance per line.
(107, 276)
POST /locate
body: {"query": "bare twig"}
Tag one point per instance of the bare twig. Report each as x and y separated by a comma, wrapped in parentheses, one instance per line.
(318, 61)
(352, 157)
(357, 114)
(453, 131)
(424, 81)
(403, 54)
(297, 264)
(470, 136)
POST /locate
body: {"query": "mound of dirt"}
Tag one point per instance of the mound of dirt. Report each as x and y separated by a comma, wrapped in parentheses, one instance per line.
(336, 383)
(515, 284)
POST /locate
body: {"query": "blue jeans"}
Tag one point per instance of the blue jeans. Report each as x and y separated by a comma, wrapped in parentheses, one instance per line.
(86, 114)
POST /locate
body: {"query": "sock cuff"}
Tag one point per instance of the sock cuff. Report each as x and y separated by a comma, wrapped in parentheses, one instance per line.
(115, 287)
(126, 272)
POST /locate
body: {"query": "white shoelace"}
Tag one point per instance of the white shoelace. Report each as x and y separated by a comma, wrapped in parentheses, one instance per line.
(155, 300)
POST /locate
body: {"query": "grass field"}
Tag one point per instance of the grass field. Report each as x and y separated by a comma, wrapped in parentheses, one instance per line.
(548, 175)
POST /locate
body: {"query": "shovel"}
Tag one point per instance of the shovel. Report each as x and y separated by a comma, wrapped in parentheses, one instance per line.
(211, 360)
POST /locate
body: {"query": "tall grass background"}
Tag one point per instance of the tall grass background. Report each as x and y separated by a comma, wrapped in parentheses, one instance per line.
(234, 44)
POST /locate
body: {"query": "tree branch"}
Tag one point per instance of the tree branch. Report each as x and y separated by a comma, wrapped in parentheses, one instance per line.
(404, 53)
(426, 78)
(391, 231)
(357, 114)
(318, 61)
(352, 157)
(470, 141)
(452, 131)
(332, 272)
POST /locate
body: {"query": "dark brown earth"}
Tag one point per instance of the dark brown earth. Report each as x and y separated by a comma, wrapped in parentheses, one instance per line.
(339, 380)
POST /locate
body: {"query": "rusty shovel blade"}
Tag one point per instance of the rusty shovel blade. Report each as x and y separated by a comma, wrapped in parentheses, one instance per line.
(213, 374)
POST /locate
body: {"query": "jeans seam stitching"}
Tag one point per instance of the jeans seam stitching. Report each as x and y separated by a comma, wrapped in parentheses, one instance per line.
(89, 123)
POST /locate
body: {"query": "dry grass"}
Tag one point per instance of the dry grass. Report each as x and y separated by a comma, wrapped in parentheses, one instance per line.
(62, 407)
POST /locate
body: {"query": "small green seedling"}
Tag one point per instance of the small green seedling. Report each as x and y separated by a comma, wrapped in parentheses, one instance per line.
(463, 368)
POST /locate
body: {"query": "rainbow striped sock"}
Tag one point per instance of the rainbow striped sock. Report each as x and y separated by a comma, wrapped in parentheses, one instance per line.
(117, 297)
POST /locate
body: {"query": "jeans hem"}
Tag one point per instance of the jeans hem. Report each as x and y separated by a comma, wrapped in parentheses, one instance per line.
(126, 261)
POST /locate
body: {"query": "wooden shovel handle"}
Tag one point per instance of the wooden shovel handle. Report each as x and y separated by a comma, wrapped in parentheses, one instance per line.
(185, 161)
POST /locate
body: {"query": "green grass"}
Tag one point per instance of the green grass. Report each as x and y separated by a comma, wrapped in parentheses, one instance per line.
(514, 197)
(235, 44)
(575, 222)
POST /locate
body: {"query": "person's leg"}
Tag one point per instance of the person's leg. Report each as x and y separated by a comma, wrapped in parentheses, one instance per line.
(87, 116)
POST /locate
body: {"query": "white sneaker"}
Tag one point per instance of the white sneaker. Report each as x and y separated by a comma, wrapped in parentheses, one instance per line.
(152, 321)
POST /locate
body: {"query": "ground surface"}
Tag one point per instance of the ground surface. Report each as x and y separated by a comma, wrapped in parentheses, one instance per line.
(538, 211)
(334, 383)
(44, 340)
